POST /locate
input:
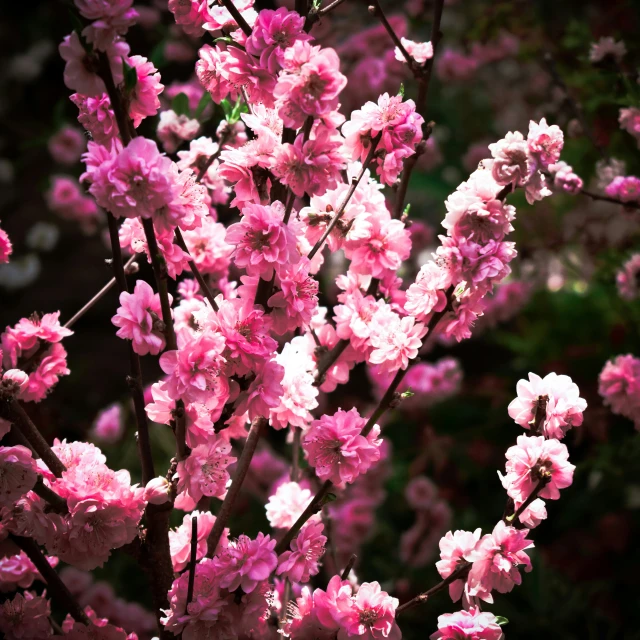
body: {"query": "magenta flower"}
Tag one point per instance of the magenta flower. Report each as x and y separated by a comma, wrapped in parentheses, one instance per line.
(334, 447)
(144, 101)
(545, 142)
(6, 248)
(468, 625)
(140, 319)
(307, 548)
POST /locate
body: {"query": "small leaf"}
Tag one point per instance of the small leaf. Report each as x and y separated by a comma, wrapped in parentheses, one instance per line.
(401, 90)
(130, 77)
(405, 213)
(180, 104)
(226, 107)
(407, 394)
(501, 620)
(202, 105)
(226, 39)
(330, 497)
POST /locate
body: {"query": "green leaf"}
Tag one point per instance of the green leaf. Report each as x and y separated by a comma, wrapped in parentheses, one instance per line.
(501, 620)
(202, 105)
(130, 77)
(226, 108)
(180, 104)
(401, 90)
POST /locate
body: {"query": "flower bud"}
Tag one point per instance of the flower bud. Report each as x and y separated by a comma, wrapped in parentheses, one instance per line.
(157, 490)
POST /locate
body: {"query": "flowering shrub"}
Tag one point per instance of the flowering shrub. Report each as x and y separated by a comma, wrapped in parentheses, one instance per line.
(280, 305)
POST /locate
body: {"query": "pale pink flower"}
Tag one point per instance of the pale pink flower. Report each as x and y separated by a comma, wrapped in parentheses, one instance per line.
(499, 554)
(336, 449)
(208, 248)
(607, 46)
(173, 129)
(262, 241)
(545, 142)
(628, 278)
(180, 539)
(532, 460)
(139, 319)
(468, 625)
(108, 426)
(371, 615)
(79, 74)
(286, 505)
(25, 616)
(427, 293)
(66, 146)
(307, 548)
(419, 51)
(512, 164)
(18, 474)
(246, 562)
(204, 471)
(564, 406)
(456, 548)
(157, 490)
(189, 15)
(619, 386)
(13, 384)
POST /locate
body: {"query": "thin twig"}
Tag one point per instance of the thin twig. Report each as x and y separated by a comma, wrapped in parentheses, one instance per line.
(347, 570)
(58, 589)
(352, 189)
(192, 562)
(238, 478)
(597, 196)
(237, 16)
(376, 10)
(295, 454)
(107, 287)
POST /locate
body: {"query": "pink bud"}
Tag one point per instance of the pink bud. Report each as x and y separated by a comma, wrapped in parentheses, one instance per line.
(157, 490)
(13, 382)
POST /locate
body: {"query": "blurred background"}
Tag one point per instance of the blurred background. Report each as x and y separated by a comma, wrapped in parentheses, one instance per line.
(500, 64)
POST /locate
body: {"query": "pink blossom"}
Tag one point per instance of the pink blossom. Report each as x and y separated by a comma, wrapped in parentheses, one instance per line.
(204, 471)
(17, 474)
(246, 562)
(80, 69)
(180, 539)
(420, 492)
(607, 46)
(628, 278)
(6, 248)
(189, 15)
(210, 70)
(565, 179)
(264, 392)
(157, 490)
(624, 188)
(286, 505)
(419, 51)
(18, 571)
(208, 248)
(96, 116)
(534, 459)
(499, 555)
(307, 548)
(629, 120)
(336, 449)
(262, 240)
(512, 164)
(619, 386)
(545, 142)
(472, 625)
(67, 145)
(52, 364)
(330, 605)
(427, 293)
(309, 84)
(13, 384)
(456, 548)
(108, 426)
(26, 616)
(139, 319)
(110, 19)
(564, 407)
(144, 100)
(370, 615)
(173, 130)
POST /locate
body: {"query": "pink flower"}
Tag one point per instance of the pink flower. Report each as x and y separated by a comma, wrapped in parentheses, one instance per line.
(6, 248)
(204, 471)
(628, 278)
(79, 71)
(189, 15)
(565, 179)
(498, 556)
(534, 459)
(400, 128)
(67, 145)
(108, 426)
(336, 449)
(309, 84)
(245, 562)
(139, 319)
(619, 386)
(629, 120)
(307, 548)
(26, 616)
(210, 70)
(607, 46)
(157, 490)
(545, 142)
(286, 505)
(419, 51)
(262, 240)
(96, 116)
(472, 625)
(180, 539)
(371, 615)
(109, 20)
(456, 548)
(17, 474)
(13, 384)
(264, 392)
(208, 248)
(52, 365)
(427, 293)
(144, 100)
(173, 130)
(136, 182)
(624, 188)
(18, 571)
(395, 340)
(564, 407)
(420, 492)
(330, 605)
(512, 164)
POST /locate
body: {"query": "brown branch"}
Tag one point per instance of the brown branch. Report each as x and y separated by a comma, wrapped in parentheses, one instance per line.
(58, 589)
(352, 189)
(295, 454)
(242, 467)
(237, 16)
(347, 570)
(315, 14)
(597, 196)
(192, 561)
